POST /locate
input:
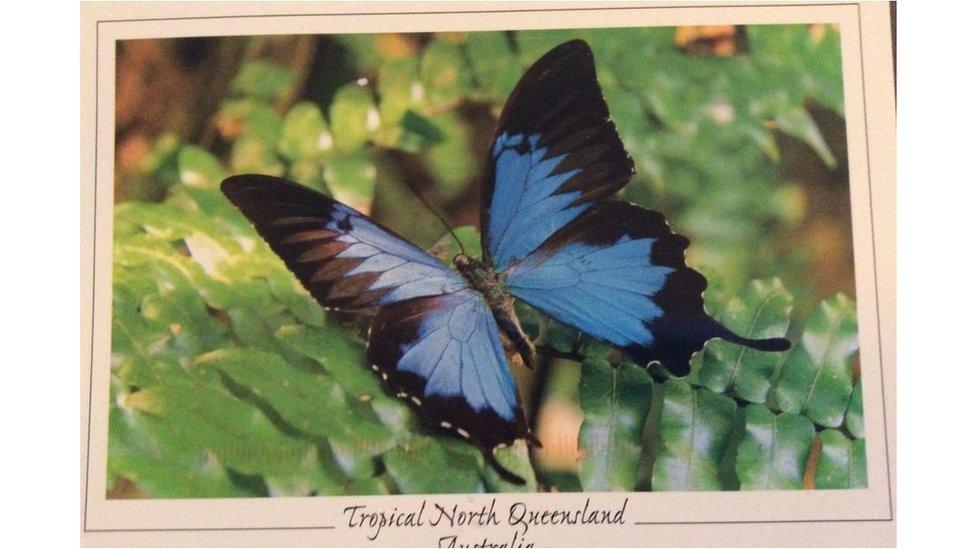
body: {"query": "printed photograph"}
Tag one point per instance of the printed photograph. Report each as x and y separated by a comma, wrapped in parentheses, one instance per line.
(595, 260)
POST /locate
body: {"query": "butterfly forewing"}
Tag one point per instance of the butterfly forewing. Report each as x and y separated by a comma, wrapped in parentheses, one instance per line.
(344, 259)
(554, 153)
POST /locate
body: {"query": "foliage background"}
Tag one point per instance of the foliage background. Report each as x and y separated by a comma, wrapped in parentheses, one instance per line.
(228, 380)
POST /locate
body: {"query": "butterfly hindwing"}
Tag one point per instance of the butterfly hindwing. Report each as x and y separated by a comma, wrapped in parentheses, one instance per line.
(344, 259)
(445, 354)
(554, 153)
(618, 273)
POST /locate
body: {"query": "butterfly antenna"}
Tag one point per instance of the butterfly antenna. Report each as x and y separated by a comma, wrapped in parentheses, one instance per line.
(437, 215)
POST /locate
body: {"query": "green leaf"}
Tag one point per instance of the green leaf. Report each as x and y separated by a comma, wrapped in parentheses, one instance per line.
(309, 173)
(262, 284)
(199, 168)
(340, 355)
(615, 402)
(255, 315)
(425, 466)
(462, 454)
(558, 336)
(628, 115)
(399, 88)
(859, 464)
(397, 416)
(762, 311)
(773, 452)
(798, 123)
(263, 80)
(184, 315)
(515, 458)
(197, 418)
(251, 154)
(163, 225)
(352, 179)
(402, 96)
(311, 403)
(451, 160)
(422, 127)
(304, 133)
(169, 269)
(447, 248)
(362, 49)
(444, 73)
(854, 417)
(694, 431)
(140, 449)
(284, 287)
(141, 350)
(353, 117)
(494, 64)
(321, 474)
(160, 162)
(418, 132)
(842, 462)
(816, 377)
(804, 57)
(251, 117)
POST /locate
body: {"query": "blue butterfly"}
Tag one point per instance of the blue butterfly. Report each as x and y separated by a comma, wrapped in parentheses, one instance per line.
(552, 235)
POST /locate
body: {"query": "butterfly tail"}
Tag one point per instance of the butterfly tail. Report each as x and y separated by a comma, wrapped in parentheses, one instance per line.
(506, 475)
(772, 344)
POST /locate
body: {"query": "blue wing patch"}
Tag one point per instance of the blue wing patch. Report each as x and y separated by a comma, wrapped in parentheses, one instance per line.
(445, 354)
(459, 352)
(554, 154)
(344, 259)
(526, 205)
(606, 290)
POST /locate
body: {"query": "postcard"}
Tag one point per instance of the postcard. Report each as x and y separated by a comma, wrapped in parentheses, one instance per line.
(488, 275)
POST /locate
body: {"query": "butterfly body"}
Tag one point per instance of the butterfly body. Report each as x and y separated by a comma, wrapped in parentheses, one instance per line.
(485, 280)
(481, 277)
(552, 236)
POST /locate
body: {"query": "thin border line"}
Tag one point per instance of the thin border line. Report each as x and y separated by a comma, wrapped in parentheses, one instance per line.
(482, 12)
(216, 529)
(91, 365)
(890, 518)
(785, 521)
